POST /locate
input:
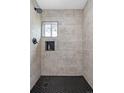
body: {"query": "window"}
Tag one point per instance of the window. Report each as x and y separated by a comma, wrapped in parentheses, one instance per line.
(49, 29)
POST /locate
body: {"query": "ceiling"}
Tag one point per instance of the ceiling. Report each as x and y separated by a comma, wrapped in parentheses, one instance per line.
(61, 4)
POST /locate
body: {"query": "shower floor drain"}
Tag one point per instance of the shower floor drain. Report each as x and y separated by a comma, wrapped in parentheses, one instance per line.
(61, 84)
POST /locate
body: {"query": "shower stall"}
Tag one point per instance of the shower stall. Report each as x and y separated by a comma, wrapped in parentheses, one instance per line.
(61, 46)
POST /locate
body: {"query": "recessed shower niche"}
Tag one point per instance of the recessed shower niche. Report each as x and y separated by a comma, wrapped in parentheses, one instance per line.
(50, 45)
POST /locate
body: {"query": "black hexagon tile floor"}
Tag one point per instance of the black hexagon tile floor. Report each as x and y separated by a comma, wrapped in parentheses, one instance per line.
(61, 84)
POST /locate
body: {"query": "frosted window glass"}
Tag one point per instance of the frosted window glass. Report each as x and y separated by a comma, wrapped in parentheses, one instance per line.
(49, 29)
(54, 30)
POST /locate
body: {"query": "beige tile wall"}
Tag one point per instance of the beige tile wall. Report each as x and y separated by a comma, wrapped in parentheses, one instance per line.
(67, 57)
(35, 50)
(88, 42)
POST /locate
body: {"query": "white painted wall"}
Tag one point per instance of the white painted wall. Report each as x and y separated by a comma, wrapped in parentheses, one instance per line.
(35, 50)
(88, 42)
(62, 4)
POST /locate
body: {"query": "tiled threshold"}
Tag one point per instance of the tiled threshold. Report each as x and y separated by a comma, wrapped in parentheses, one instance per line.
(61, 84)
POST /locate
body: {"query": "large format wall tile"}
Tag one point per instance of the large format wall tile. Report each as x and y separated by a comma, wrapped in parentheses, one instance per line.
(35, 50)
(88, 42)
(67, 57)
